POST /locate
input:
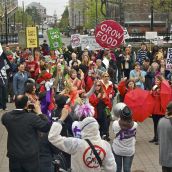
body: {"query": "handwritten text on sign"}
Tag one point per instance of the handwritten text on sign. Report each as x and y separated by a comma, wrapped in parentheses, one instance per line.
(169, 59)
(109, 34)
(32, 37)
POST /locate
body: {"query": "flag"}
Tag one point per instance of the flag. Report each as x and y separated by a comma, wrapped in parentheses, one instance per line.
(4, 66)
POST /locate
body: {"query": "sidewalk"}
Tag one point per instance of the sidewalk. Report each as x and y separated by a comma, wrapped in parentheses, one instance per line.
(146, 158)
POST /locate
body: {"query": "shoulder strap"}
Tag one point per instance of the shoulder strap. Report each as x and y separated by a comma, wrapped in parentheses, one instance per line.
(95, 152)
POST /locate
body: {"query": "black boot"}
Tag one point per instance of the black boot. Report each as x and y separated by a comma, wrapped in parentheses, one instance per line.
(153, 140)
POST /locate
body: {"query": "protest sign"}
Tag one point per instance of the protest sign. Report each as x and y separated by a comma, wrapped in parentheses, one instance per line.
(151, 35)
(54, 39)
(75, 40)
(109, 34)
(169, 59)
(32, 37)
(89, 42)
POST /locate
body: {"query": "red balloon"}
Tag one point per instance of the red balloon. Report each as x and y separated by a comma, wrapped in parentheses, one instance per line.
(109, 34)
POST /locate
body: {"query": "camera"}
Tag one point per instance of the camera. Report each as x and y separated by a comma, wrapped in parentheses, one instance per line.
(31, 106)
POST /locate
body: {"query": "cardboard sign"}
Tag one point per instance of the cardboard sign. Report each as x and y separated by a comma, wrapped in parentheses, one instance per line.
(31, 37)
(169, 59)
(89, 42)
(75, 40)
(109, 34)
(151, 35)
(126, 35)
(54, 37)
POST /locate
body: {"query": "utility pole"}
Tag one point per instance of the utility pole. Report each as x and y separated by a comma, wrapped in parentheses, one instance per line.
(6, 23)
(79, 21)
(23, 15)
(152, 16)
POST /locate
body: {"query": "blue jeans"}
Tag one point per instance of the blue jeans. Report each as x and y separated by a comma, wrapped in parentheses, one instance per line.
(123, 161)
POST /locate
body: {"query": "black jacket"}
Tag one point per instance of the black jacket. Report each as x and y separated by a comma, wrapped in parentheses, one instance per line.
(22, 127)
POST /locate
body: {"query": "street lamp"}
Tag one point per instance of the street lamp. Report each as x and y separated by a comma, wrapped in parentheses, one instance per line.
(152, 17)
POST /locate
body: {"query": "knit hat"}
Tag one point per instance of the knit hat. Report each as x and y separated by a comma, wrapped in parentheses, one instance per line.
(125, 112)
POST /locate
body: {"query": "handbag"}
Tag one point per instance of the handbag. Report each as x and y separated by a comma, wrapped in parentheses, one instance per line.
(94, 151)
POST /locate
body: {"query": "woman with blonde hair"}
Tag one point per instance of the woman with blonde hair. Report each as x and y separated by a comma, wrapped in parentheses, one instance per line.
(127, 62)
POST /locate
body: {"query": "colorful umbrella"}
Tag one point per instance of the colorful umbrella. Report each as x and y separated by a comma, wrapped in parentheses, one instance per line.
(140, 102)
(165, 94)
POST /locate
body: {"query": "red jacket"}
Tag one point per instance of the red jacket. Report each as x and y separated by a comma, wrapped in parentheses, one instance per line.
(88, 83)
(109, 90)
(32, 65)
(157, 110)
(122, 88)
(94, 100)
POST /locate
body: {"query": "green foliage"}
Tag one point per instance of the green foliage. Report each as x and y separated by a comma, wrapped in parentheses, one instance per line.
(162, 5)
(33, 12)
(64, 22)
(90, 13)
(27, 19)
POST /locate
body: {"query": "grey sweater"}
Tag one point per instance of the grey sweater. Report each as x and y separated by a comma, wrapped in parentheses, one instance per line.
(165, 142)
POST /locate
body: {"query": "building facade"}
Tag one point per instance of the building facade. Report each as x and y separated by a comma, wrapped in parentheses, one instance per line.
(76, 13)
(10, 6)
(41, 9)
(136, 16)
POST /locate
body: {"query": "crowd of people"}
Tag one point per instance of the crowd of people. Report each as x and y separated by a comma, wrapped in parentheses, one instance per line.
(73, 93)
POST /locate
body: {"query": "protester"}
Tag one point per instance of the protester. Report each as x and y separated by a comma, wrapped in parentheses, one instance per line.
(80, 150)
(142, 53)
(123, 145)
(138, 76)
(100, 101)
(125, 86)
(22, 127)
(4, 66)
(158, 112)
(19, 80)
(127, 62)
(165, 140)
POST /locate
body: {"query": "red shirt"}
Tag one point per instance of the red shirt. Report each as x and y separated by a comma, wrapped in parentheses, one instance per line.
(31, 68)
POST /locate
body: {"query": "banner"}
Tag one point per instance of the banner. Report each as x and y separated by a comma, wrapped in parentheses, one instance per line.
(169, 59)
(32, 37)
(89, 42)
(151, 35)
(54, 39)
(75, 40)
(109, 34)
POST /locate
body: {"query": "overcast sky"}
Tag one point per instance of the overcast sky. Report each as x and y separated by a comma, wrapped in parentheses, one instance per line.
(51, 5)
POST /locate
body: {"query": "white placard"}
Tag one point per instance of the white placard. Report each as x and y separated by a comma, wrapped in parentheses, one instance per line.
(169, 59)
(90, 43)
(151, 35)
(1, 50)
(75, 40)
(126, 35)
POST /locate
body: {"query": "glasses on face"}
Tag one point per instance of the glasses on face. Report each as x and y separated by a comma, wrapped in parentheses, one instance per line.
(106, 76)
(98, 85)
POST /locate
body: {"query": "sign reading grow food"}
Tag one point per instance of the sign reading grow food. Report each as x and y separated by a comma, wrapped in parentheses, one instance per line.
(109, 34)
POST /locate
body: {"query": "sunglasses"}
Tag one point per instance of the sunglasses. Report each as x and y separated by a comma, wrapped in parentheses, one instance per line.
(106, 76)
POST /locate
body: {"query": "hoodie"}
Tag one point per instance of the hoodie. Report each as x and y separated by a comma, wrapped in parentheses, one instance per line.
(82, 157)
